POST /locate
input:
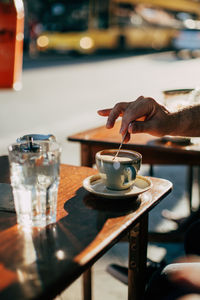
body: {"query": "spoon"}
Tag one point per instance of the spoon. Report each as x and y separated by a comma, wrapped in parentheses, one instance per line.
(120, 146)
(139, 119)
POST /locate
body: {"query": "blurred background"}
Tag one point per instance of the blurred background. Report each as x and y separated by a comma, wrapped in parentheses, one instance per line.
(89, 26)
(81, 56)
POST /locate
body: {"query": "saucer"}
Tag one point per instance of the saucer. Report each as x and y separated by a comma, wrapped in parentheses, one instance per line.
(94, 185)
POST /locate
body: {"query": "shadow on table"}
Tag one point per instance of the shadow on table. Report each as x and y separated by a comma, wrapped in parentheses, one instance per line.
(85, 208)
(50, 258)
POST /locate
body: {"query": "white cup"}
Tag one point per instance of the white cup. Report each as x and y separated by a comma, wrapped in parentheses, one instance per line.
(119, 173)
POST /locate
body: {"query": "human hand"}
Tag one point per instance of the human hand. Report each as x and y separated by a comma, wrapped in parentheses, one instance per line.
(141, 115)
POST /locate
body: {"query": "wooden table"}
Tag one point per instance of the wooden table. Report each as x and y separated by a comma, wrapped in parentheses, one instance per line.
(42, 263)
(154, 151)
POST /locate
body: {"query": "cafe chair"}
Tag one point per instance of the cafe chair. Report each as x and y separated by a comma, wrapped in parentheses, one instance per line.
(174, 236)
(177, 235)
(121, 273)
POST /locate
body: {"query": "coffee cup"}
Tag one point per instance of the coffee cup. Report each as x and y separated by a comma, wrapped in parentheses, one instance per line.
(118, 173)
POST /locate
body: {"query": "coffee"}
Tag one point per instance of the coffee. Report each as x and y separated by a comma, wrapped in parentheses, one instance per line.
(117, 159)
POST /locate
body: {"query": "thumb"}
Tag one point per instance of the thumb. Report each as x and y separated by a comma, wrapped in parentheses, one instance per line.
(139, 127)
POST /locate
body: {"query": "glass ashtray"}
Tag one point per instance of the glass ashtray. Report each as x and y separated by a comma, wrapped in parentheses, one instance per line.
(179, 140)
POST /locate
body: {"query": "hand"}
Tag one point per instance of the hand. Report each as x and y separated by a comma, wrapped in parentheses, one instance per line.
(141, 115)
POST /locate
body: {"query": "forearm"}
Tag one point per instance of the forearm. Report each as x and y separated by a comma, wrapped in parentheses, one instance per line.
(185, 122)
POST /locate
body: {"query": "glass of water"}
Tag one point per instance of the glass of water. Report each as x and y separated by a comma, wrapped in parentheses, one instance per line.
(34, 171)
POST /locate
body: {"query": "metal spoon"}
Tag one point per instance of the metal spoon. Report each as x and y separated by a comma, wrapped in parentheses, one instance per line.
(120, 146)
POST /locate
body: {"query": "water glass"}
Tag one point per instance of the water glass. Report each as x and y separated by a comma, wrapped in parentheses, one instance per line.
(34, 171)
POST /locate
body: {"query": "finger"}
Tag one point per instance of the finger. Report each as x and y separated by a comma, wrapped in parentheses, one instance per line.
(125, 123)
(138, 127)
(115, 113)
(134, 111)
(141, 119)
(127, 138)
(104, 112)
(150, 127)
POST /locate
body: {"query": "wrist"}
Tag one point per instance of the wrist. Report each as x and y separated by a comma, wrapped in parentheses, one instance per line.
(185, 122)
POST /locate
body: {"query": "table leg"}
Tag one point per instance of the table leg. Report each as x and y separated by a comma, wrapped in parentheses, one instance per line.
(151, 171)
(86, 155)
(189, 186)
(87, 284)
(198, 180)
(138, 238)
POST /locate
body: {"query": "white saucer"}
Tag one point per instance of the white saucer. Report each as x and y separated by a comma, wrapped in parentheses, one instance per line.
(94, 185)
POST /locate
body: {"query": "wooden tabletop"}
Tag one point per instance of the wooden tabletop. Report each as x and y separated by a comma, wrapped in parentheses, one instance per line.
(153, 149)
(41, 263)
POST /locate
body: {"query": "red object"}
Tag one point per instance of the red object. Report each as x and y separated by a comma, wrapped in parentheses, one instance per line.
(11, 43)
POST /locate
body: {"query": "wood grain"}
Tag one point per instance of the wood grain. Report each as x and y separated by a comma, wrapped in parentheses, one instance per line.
(39, 264)
(153, 150)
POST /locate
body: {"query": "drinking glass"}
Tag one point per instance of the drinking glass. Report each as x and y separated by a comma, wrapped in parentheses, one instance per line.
(34, 171)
